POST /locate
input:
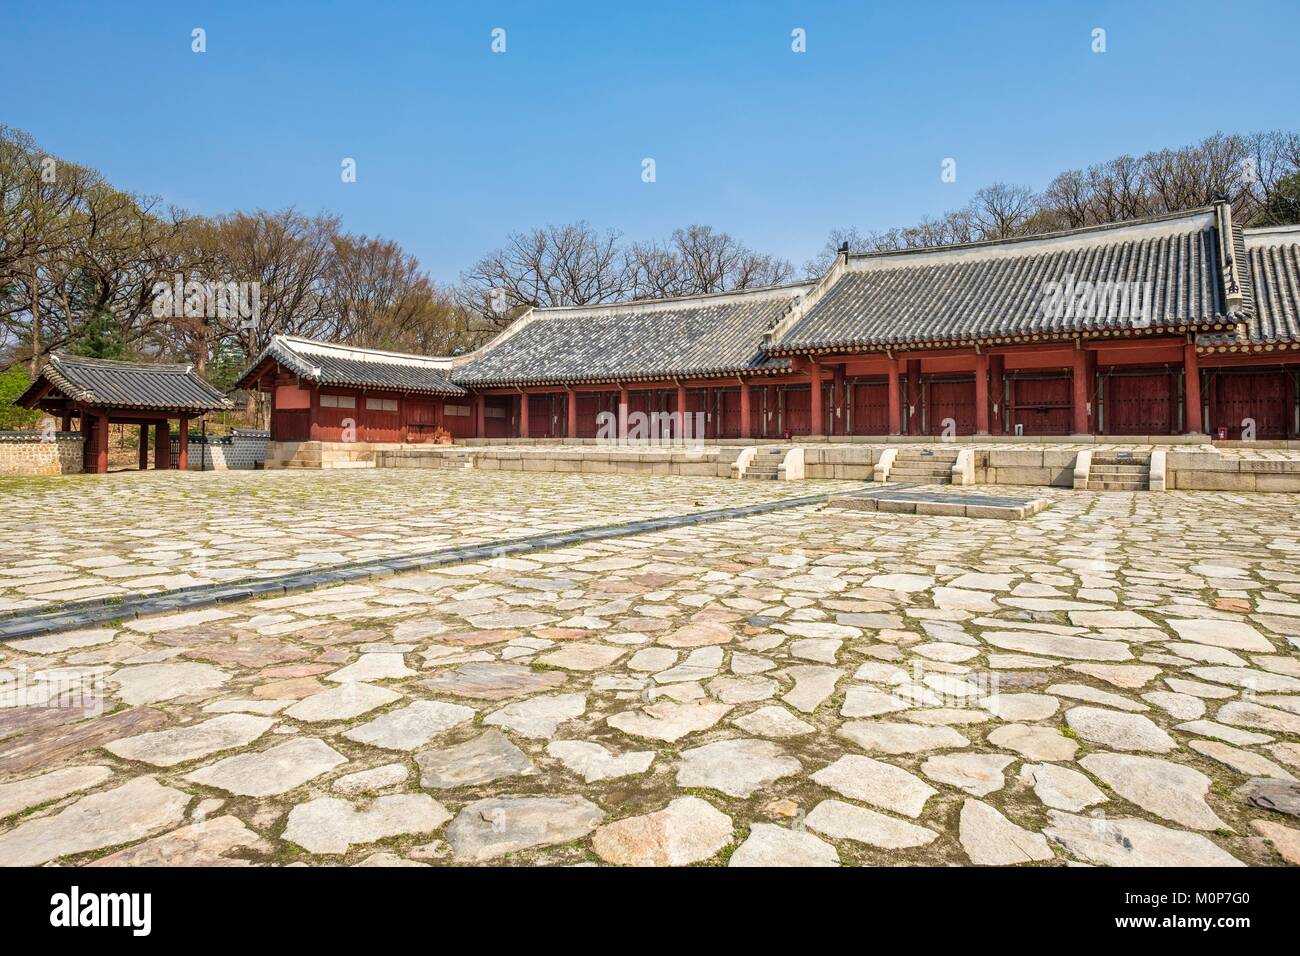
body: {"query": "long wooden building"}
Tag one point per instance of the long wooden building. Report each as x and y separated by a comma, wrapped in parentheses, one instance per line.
(1183, 323)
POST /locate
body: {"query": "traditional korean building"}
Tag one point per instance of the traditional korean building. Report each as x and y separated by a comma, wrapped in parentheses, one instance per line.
(98, 392)
(1183, 323)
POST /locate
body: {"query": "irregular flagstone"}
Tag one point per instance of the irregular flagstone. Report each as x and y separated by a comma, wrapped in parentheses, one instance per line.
(977, 774)
(735, 767)
(1261, 682)
(877, 783)
(822, 650)
(895, 738)
(167, 748)
(593, 762)
(771, 845)
(1267, 793)
(742, 690)
(652, 659)
(205, 843)
(269, 772)
(813, 684)
(1242, 761)
(1061, 787)
(1120, 619)
(1017, 707)
(494, 681)
(139, 808)
(1036, 743)
(990, 839)
(1129, 676)
(1209, 728)
(906, 583)
(1286, 840)
(669, 720)
(1233, 635)
(331, 825)
(150, 683)
(1167, 789)
(1058, 645)
(487, 829)
(57, 643)
(341, 703)
(866, 701)
(489, 756)
(773, 721)
(44, 735)
(1244, 714)
(368, 781)
(372, 667)
(581, 656)
(1132, 842)
(539, 717)
(248, 653)
(1178, 706)
(1119, 731)
(688, 830)
(701, 664)
(845, 821)
(698, 634)
(411, 726)
(54, 785)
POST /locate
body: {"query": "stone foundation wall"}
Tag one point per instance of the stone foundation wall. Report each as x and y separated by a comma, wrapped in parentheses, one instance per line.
(32, 454)
(1209, 471)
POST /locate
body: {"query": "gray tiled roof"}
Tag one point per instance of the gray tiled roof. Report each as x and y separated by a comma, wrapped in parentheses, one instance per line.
(997, 289)
(100, 383)
(697, 336)
(1274, 258)
(346, 365)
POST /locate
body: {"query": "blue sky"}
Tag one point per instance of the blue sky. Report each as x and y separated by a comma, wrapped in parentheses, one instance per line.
(457, 146)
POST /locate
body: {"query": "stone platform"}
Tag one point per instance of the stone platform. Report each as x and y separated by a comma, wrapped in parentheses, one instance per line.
(931, 501)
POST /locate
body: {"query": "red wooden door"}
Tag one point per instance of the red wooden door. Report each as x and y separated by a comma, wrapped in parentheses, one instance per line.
(1258, 396)
(950, 402)
(383, 419)
(1139, 404)
(420, 418)
(291, 414)
(541, 416)
(729, 412)
(498, 417)
(870, 408)
(1044, 406)
(797, 419)
(457, 418)
(590, 405)
(761, 402)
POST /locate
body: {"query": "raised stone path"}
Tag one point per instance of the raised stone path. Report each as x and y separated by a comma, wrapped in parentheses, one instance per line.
(1113, 681)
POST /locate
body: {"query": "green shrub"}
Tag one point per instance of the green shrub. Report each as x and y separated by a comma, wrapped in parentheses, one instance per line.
(13, 383)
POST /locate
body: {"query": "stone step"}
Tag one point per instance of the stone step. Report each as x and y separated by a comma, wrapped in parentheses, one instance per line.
(945, 457)
(1136, 471)
(1117, 484)
(908, 468)
(1143, 461)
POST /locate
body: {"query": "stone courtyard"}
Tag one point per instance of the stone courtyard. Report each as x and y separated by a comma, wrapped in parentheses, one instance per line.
(1113, 681)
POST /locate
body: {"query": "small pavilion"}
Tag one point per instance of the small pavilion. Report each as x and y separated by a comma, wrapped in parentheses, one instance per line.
(100, 392)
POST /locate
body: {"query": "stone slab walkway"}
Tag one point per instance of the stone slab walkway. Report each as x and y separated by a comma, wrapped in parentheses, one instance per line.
(1113, 681)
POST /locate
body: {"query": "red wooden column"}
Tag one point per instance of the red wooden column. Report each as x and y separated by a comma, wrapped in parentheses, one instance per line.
(1079, 377)
(914, 396)
(746, 431)
(622, 413)
(67, 421)
(839, 420)
(144, 447)
(162, 445)
(895, 399)
(981, 393)
(571, 409)
(682, 413)
(817, 425)
(997, 371)
(183, 445)
(101, 445)
(523, 414)
(1191, 391)
(480, 416)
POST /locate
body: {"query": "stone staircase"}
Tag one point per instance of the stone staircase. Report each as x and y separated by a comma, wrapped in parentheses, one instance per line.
(314, 454)
(766, 463)
(929, 466)
(1119, 471)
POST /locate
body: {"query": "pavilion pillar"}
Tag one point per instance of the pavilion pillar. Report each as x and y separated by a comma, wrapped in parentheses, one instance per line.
(1191, 391)
(746, 431)
(67, 421)
(571, 410)
(839, 421)
(162, 446)
(183, 445)
(523, 414)
(997, 374)
(144, 447)
(913, 396)
(682, 427)
(480, 416)
(817, 425)
(101, 445)
(622, 413)
(895, 399)
(981, 392)
(1079, 399)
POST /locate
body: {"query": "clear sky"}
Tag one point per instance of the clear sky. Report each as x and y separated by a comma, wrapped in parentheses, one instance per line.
(456, 146)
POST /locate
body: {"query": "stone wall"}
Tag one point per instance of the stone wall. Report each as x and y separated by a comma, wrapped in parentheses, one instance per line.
(36, 453)
(1210, 471)
(242, 449)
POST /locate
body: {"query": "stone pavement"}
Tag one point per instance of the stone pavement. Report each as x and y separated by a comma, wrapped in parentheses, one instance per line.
(76, 538)
(1113, 681)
